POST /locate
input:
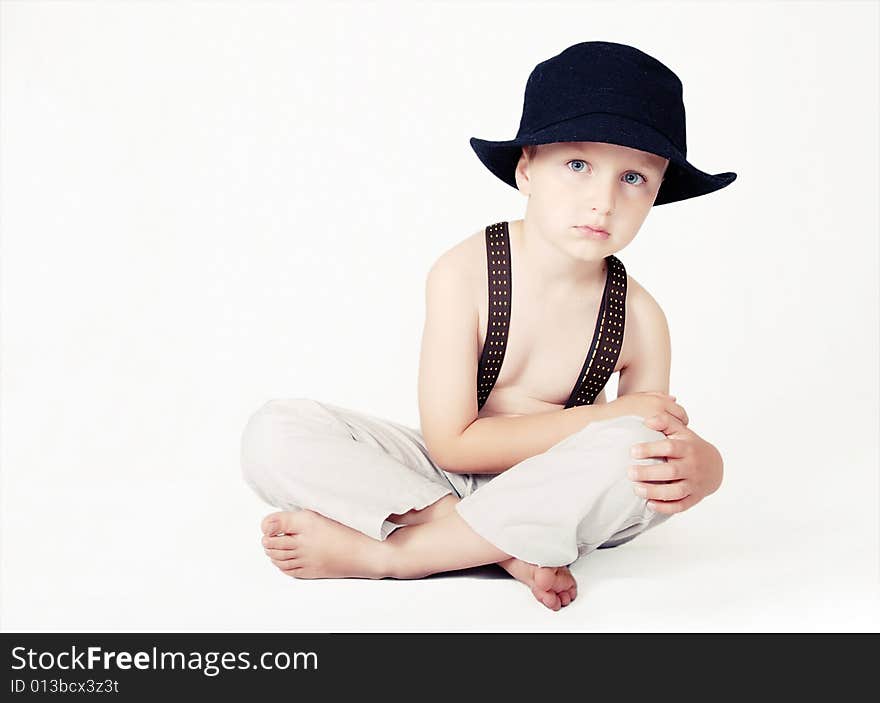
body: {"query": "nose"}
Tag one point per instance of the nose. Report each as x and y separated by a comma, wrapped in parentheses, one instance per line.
(602, 194)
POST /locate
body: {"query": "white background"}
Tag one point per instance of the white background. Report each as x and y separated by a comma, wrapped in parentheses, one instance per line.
(208, 205)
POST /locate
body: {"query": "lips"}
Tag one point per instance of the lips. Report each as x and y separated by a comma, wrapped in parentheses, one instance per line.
(598, 230)
(592, 233)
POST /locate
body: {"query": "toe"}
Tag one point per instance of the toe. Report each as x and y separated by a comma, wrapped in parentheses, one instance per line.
(551, 600)
(553, 578)
(286, 565)
(280, 554)
(281, 542)
(548, 598)
(284, 521)
(545, 577)
(568, 581)
(270, 523)
(564, 580)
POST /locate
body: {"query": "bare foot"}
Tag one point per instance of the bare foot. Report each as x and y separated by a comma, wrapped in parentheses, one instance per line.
(307, 545)
(554, 586)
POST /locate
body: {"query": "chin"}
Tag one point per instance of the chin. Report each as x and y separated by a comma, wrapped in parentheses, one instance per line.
(589, 250)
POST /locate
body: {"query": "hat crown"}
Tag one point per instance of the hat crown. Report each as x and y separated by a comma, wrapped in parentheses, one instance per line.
(604, 77)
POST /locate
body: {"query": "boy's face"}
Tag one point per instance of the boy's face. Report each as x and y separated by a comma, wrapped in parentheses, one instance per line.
(607, 186)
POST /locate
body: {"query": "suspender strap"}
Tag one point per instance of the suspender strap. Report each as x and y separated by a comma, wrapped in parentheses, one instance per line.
(498, 264)
(607, 338)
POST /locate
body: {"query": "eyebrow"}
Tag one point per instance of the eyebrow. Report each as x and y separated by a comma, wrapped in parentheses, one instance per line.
(638, 160)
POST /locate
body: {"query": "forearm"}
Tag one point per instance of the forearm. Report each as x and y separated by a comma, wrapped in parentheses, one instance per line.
(494, 444)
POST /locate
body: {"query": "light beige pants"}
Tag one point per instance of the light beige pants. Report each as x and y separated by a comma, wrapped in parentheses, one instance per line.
(358, 469)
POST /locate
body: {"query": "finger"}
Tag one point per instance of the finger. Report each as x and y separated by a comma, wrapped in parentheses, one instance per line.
(678, 413)
(670, 507)
(675, 490)
(661, 448)
(665, 422)
(664, 471)
(682, 414)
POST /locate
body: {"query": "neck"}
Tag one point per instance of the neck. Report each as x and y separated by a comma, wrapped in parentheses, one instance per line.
(550, 269)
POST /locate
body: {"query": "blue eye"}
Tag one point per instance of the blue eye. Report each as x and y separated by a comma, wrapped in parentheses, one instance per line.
(635, 173)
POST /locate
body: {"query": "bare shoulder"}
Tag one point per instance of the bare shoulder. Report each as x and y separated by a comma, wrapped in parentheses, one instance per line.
(464, 258)
(642, 301)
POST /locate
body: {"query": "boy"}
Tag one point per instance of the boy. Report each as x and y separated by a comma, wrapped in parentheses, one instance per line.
(510, 314)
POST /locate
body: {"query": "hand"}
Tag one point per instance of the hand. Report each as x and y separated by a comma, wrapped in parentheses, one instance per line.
(693, 468)
(646, 404)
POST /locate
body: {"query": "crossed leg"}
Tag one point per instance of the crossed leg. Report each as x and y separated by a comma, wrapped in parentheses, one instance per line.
(588, 506)
(433, 539)
(548, 587)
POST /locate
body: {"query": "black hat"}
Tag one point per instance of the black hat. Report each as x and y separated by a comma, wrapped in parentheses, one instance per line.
(600, 91)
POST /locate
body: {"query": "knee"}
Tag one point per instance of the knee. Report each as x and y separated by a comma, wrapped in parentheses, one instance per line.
(255, 447)
(615, 438)
(633, 430)
(271, 435)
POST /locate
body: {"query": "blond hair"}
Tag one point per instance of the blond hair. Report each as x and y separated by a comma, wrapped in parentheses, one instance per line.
(531, 149)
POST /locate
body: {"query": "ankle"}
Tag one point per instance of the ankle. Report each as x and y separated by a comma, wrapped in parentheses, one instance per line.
(437, 509)
(444, 506)
(391, 564)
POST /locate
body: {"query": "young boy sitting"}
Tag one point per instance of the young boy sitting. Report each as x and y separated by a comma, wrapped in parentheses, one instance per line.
(520, 459)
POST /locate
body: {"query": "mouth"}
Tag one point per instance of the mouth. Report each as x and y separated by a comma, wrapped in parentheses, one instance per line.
(593, 232)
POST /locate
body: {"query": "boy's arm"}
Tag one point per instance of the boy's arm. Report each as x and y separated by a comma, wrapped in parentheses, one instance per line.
(649, 365)
(495, 444)
(693, 468)
(455, 437)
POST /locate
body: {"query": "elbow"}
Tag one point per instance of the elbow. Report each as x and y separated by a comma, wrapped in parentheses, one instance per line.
(448, 463)
(443, 457)
(449, 467)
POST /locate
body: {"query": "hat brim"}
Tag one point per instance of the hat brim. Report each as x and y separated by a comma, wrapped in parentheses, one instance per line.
(682, 179)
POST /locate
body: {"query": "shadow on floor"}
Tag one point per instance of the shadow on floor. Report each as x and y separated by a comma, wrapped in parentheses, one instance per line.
(486, 571)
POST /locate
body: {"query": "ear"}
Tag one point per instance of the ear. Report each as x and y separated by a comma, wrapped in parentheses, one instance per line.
(521, 174)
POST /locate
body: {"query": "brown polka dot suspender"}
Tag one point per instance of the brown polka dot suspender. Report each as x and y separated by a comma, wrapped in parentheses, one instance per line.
(607, 336)
(498, 263)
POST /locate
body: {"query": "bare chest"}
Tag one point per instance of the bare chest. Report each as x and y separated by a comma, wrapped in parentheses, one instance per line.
(547, 346)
